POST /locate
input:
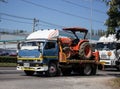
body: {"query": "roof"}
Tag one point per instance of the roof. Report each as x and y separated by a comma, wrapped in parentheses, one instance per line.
(76, 29)
(110, 38)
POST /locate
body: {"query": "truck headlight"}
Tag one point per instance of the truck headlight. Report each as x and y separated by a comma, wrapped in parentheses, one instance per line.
(19, 60)
(35, 61)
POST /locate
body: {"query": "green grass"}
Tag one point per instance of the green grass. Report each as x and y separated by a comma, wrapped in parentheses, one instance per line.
(8, 64)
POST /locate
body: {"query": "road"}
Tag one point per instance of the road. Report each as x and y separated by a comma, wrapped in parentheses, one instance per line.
(13, 79)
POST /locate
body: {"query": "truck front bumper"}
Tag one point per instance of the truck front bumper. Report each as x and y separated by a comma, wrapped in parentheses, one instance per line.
(39, 68)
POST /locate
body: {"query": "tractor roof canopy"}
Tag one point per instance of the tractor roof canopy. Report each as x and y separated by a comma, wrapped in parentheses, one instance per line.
(77, 29)
(74, 29)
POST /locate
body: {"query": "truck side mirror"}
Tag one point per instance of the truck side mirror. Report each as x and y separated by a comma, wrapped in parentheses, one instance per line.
(38, 47)
(18, 46)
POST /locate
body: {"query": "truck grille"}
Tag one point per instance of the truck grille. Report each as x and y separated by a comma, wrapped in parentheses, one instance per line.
(103, 56)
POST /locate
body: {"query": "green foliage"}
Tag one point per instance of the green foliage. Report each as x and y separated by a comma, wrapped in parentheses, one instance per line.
(7, 59)
(8, 64)
(113, 22)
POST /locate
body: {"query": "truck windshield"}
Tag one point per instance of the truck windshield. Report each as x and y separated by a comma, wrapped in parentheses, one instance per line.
(33, 43)
(105, 46)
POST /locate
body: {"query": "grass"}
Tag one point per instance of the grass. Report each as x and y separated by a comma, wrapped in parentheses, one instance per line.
(8, 64)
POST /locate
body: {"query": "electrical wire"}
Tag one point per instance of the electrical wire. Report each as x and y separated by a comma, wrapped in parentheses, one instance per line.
(75, 4)
(52, 24)
(20, 17)
(59, 11)
(15, 21)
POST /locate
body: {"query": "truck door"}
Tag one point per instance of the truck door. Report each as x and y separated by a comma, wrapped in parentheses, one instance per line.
(50, 51)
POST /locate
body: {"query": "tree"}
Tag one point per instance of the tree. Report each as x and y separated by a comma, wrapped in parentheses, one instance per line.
(113, 21)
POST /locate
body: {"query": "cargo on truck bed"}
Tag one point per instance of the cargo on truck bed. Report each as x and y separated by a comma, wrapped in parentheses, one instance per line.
(57, 51)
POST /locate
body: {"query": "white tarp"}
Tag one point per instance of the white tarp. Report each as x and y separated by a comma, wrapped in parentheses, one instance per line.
(49, 34)
(43, 34)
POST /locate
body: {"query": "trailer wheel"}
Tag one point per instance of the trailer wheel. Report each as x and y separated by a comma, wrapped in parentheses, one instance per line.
(52, 70)
(85, 51)
(29, 73)
(87, 69)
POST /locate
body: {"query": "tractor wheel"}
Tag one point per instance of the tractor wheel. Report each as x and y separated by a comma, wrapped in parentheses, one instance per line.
(67, 52)
(85, 51)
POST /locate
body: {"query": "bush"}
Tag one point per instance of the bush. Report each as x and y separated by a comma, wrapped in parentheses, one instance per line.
(8, 59)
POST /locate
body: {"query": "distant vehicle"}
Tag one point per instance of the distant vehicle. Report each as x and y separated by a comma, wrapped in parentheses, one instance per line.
(3, 53)
(50, 52)
(13, 53)
(108, 50)
(6, 52)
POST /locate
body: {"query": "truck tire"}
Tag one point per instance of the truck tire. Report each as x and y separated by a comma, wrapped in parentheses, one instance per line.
(52, 70)
(87, 69)
(94, 69)
(118, 67)
(85, 51)
(29, 73)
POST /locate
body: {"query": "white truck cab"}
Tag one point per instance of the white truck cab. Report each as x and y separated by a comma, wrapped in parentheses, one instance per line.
(108, 50)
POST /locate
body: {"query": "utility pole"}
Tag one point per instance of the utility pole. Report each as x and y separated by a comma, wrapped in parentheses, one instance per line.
(91, 11)
(35, 21)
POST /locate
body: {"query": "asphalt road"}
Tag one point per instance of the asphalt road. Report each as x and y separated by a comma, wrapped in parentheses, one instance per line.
(10, 78)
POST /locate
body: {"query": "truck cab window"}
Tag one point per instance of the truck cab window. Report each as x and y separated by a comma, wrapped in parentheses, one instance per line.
(50, 45)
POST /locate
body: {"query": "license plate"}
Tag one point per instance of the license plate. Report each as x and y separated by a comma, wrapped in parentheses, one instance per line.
(26, 64)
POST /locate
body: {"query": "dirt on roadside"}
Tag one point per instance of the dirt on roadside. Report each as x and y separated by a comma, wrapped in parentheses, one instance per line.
(115, 83)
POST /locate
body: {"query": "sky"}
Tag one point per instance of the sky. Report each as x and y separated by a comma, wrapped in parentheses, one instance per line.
(53, 14)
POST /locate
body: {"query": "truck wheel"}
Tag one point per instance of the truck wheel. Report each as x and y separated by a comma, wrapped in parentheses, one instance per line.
(87, 69)
(85, 51)
(94, 69)
(118, 68)
(52, 70)
(29, 73)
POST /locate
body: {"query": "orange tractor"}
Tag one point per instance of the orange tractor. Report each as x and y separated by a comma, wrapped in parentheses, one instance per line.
(76, 48)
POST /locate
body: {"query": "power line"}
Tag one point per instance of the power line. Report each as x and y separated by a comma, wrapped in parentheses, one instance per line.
(14, 16)
(51, 24)
(28, 22)
(66, 13)
(69, 2)
(15, 21)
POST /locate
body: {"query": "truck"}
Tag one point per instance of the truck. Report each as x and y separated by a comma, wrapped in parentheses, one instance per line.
(54, 52)
(109, 51)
